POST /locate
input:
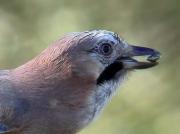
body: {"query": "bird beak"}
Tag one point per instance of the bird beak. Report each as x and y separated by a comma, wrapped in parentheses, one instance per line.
(128, 61)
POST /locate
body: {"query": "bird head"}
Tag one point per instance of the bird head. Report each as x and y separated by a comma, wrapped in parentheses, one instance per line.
(104, 56)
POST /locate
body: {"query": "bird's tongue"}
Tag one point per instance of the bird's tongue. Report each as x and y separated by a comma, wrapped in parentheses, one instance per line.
(130, 63)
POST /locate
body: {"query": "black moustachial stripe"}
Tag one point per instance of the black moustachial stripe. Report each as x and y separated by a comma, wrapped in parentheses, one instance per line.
(109, 72)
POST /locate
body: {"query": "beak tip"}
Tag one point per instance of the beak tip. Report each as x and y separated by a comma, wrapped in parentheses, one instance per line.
(152, 59)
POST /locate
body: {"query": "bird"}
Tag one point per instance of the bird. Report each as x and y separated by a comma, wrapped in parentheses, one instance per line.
(67, 86)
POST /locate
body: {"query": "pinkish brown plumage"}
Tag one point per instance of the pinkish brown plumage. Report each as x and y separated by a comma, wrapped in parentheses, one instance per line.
(65, 87)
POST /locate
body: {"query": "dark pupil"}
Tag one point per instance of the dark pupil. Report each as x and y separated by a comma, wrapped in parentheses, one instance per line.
(106, 48)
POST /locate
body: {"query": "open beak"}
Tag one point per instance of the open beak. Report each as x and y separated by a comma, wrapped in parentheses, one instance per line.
(128, 61)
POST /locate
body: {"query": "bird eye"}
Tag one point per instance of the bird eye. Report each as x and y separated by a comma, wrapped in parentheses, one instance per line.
(106, 49)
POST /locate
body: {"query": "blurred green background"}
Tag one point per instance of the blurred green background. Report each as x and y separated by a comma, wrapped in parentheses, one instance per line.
(149, 102)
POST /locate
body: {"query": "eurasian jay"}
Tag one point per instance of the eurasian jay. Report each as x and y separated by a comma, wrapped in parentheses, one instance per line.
(65, 87)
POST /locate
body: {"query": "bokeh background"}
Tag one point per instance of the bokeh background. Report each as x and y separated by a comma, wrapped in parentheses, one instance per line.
(149, 102)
